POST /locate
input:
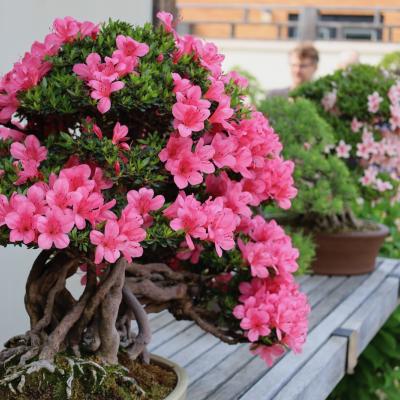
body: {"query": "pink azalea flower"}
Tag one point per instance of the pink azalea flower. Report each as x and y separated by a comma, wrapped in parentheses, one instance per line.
(190, 219)
(374, 100)
(29, 171)
(22, 222)
(78, 177)
(120, 135)
(329, 100)
(86, 71)
(343, 150)
(84, 205)
(216, 90)
(54, 228)
(221, 227)
(224, 148)
(176, 145)
(269, 353)
(143, 201)
(184, 253)
(11, 134)
(256, 323)
(109, 244)
(257, 255)
(88, 28)
(5, 208)
(36, 194)
(222, 113)
(8, 106)
(127, 47)
(66, 29)
(102, 92)
(189, 118)
(29, 151)
(356, 125)
(166, 20)
(204, 154)
(59, 195)
(185, 170)
(238, 79)
(181, 85)
(101, 183)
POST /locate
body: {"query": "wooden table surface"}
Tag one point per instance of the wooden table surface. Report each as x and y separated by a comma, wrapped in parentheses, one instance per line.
(346, 314)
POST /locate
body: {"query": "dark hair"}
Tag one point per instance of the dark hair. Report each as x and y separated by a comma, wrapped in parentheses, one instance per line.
(306, 50)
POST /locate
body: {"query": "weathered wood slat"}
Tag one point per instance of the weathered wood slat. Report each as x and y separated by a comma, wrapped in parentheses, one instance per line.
(311, 284)
(161, 321)
(302, 278)
(180, 341)
(194, 350)
(319, 375)
(368, 318)
(322, 291)
(335, 298)
(283, 371)
(204, 386)
(208, 361)
(167, 332)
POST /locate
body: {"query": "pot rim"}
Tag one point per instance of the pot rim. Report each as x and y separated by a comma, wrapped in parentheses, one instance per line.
(182, 378)
(382, 231)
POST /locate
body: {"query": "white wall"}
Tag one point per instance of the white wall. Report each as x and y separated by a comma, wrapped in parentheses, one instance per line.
(24, 21)
(268, 60)
(21, 23)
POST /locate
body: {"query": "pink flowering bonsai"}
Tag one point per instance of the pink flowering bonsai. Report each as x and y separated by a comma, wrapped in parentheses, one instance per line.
(129, 155)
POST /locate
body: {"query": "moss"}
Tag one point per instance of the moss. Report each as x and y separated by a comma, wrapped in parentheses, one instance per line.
(130, 380)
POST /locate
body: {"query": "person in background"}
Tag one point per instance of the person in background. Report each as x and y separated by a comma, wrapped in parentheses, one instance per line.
(303, 63)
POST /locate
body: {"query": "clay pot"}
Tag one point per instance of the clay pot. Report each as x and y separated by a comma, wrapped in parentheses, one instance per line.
(348, 253)
(180, 391)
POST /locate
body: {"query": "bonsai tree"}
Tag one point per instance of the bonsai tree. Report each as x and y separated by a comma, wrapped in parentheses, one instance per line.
(363, 107)
(128, 154)
(326, 189)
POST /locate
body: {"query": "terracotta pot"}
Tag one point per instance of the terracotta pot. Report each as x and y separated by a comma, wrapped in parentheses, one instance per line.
(348, 253)
(180, 391)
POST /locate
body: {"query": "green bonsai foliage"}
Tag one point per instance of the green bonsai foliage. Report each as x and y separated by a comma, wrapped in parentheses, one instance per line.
(391, 62)
(325, 187)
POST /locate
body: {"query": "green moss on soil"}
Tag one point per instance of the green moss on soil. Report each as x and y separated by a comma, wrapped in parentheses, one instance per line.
(90, 383)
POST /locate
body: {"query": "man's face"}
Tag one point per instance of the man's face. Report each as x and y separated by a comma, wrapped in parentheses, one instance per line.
(302, 70)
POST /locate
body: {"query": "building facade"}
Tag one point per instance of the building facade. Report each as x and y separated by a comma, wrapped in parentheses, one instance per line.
(362, 20)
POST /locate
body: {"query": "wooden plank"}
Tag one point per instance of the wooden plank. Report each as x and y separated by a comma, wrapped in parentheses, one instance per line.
(322, 291)
(152, 316)
(179, 342)
(161, 321)
(194, 350)
(370, 317)
(283, 371)
(313, 282)
(396, 272)
(167, 332)
(301, 278)
(334, 299)
(208, 361)
(203, 387)
(319, 376)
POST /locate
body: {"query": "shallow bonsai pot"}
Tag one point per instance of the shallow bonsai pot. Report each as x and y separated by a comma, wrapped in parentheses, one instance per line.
(180, 391)
(348, 253)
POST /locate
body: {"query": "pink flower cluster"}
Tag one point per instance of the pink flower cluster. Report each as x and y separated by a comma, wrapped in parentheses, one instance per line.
(273, 305)
(102, 78)
(374, 101)
(380, 156)
(28, 72)
(211, 221)
(268, 250)
(328, 102)
(47, 213)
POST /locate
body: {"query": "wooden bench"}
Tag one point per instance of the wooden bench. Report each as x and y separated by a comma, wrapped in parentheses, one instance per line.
(346, 314)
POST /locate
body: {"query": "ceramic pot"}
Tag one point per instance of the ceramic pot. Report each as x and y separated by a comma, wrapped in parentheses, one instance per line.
(180, 391)
(348, 253)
